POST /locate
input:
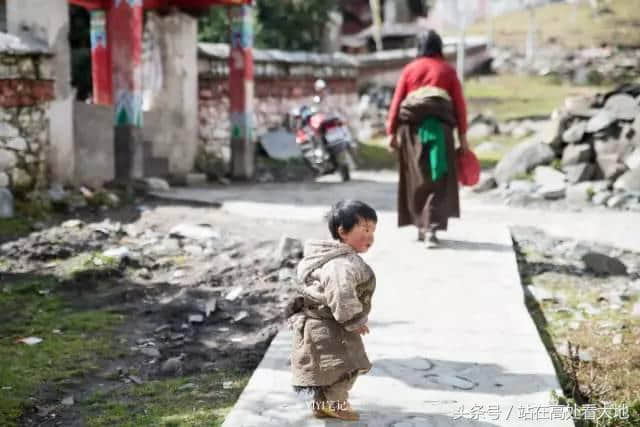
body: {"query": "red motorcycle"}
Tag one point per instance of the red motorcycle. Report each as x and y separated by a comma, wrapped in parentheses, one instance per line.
(325, 141)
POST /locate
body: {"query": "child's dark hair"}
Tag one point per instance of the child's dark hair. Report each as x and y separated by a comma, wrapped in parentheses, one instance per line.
(347, 213)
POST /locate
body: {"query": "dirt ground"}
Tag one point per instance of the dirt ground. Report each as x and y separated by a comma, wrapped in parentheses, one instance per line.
(181, 315)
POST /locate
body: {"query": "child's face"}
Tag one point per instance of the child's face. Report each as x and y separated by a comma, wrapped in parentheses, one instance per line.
(360, 237)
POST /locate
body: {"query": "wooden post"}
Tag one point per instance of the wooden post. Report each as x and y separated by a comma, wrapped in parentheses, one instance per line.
(125, 42)
(100, 59)
(241, 92)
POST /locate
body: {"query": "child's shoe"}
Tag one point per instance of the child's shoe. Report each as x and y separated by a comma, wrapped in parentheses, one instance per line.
(342, 411)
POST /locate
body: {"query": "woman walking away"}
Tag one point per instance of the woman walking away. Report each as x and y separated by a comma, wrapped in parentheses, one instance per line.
(427, 105)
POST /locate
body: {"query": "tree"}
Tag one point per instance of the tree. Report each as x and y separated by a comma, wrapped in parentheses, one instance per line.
(279, 24)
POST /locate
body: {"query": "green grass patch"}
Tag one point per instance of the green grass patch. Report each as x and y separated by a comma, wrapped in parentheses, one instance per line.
(373, 155)
(27, 308)
(11, 228)
(88, 265)
(187, 401)
(569, 25)
(511, 96)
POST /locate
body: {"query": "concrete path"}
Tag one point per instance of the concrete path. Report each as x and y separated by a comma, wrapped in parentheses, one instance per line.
(450, 335)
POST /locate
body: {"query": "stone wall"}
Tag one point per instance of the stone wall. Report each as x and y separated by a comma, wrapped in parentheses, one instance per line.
(282, 81)
(26, 88)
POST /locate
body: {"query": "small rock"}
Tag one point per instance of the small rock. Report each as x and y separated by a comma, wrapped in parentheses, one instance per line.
(210, 306)
(240, 316)
(585, 356)
(187, 386)
(195, 232)
(227, 385)
(540, 294)
(7, 209)
(601, 198)
(162, 328)
(151, 352)
(288, 247)
(196, 318)
(144, 274)
(30, 340)
(117, 253)
(553, 192)
(480, 130)
(629, 181)
(487, 147)
(610, 166)
(136, 380)
(632, 160)
(72, 223)
(68, 401)
(172, 366)
(635, 312)
(485, 183)
(618, 200)
(604, 264)
(157, 184)
(521, 159)
(617, 339)
(521, 186)
(234, 293)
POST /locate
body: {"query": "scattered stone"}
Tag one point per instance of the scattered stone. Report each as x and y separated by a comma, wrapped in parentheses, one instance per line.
(195, 232)
(610, 166)
(601, 198)
(196, 318)
(151, 352)
(156, 184)
(521, 159)
(193, 250)
(540, 294)
(480, 130)
(72, 223)
(162, 328)
(68, 401)
(553, 191)
(629, 181)
(136, 380)
(187, 386)
(487, 147)
(117, 253)
(234, 293)
(210, 306)
(636, 310)
(6, 204)
(240, 316)
(227, 385)
(485, 183)
(30, 340)
(617, 339)
(172, 366)
(144, 274)
(618, 200)
(632, 161)
(288, 247)
(548, 176)
(603, 264)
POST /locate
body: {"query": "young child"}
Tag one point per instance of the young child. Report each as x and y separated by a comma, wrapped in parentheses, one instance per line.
(332, 313)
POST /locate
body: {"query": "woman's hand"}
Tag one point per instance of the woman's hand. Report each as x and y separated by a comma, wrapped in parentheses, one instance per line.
(362, 330)
(392, 143)
(464, 144)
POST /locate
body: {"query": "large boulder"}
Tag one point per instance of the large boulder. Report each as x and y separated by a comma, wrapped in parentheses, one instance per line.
(600, 121)
(521, 159)
(610, 166)
(574, 133)
(632, 160)
(622, 106)
(575, 154)
(580, 172)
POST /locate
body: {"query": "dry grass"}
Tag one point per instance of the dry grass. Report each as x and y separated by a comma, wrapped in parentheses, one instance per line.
(570, 25)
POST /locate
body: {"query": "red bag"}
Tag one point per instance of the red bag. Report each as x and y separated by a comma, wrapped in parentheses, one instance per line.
(468, 168)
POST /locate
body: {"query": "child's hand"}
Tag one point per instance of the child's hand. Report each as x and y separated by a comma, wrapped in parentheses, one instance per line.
(362, 330)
